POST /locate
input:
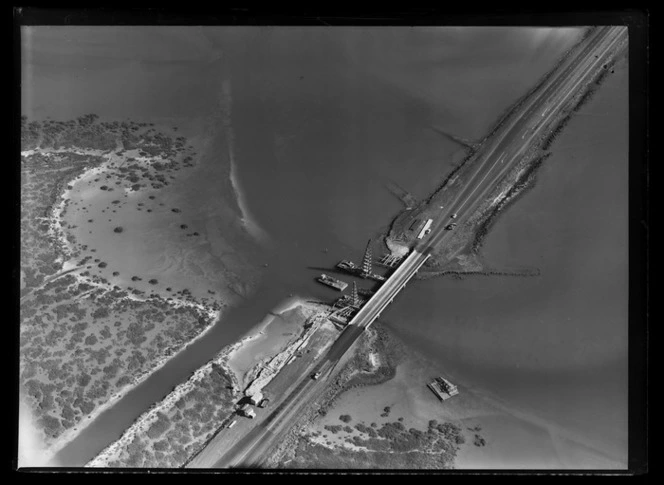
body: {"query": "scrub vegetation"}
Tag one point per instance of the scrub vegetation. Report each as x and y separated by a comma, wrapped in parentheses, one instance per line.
(358, 444)
(169, 434)
(391, 445)
(85, 341)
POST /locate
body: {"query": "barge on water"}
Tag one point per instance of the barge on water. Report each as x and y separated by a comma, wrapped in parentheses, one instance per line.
(442, 388)
(349, 266)
(332, 282)
(355, 270)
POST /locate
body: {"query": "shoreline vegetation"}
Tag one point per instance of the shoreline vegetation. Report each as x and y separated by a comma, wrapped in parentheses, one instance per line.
(89, 334)
(361, 444)
(309, 446)
(177, 420)
(175, 429)
(379, 413)
(468, 238)
(62, 353)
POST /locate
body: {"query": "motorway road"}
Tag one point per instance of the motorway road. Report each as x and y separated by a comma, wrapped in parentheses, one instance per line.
(503, 151)
(495, 158)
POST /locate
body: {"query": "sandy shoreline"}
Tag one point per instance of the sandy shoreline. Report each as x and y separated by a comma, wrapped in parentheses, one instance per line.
(237, 350)
(221, 359)
(148, 417)
(67, 245)
(71, 435)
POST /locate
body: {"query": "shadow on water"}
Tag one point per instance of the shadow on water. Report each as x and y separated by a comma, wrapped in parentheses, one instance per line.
(330, 270)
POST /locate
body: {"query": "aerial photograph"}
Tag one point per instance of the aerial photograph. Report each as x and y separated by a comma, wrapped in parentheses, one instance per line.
(324, 248)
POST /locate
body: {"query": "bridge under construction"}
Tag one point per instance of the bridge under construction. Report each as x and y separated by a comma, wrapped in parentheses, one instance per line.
(364, 271)
(535, 117)
(345, 307)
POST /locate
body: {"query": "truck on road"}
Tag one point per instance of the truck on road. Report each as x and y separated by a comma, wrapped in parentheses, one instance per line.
(426, 229)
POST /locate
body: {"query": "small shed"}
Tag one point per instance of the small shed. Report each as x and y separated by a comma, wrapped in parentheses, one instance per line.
(246, 411)
(256, 398)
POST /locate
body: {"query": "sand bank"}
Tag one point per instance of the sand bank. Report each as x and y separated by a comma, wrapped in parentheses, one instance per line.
(267, 339)
(248, 220)
(224, 360)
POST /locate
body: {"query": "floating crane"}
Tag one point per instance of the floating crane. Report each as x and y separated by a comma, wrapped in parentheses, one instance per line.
(366, 270)
(355, 298)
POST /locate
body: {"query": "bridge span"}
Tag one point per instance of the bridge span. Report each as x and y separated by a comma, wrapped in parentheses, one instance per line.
(372, 309)
(499, 154)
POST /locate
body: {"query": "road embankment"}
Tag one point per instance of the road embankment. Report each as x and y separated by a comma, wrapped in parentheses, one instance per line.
(175, 429)
(469, 236)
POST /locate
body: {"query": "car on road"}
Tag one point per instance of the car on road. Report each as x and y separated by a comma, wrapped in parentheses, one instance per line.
(315, 375)
(449, 227)
(453, 216)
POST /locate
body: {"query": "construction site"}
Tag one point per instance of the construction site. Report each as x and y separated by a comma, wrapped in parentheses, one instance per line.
(338, 312)
(347, 305)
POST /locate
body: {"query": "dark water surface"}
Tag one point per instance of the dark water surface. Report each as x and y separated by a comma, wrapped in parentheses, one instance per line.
(554, 345)
(321, 121)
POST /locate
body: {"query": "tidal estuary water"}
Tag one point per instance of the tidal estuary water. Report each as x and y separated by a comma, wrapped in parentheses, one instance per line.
(321, 120)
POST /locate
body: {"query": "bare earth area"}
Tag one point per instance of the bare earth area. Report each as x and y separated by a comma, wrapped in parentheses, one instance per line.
(197, 412)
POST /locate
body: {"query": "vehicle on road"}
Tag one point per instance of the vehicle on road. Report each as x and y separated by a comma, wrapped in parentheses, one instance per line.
(426, 229)
(449, 227)
(254, 448)
(232, 424)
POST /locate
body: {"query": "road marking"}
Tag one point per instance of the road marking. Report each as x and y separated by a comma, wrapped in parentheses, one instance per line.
(406, 271)
(555, 86)
(564, 99)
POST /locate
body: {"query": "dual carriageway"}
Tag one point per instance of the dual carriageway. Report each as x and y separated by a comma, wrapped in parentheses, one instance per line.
(498, 155)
